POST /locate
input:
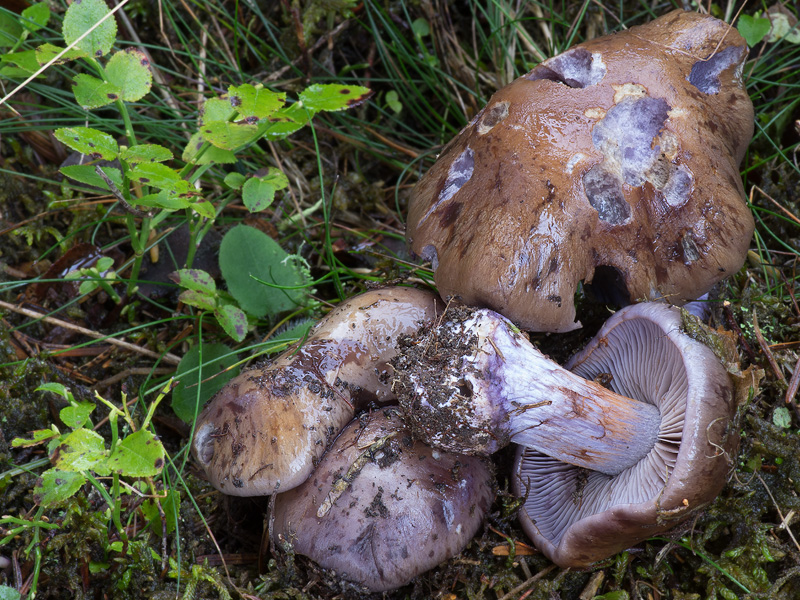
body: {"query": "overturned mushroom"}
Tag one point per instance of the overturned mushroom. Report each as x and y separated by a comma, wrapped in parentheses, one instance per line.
(382, 508)
(266, 429)
(475, 383)
(613, 164)
(576, 516)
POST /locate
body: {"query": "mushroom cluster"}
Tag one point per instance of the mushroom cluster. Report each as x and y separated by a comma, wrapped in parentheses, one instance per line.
(614, 164)
(358, 496)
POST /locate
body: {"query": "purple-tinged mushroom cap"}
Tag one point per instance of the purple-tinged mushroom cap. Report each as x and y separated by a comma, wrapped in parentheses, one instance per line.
(382, 508)
(576, 516)
(267, 428)
(614, 164)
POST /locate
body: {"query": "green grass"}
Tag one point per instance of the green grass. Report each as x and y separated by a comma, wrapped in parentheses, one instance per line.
(350, 174)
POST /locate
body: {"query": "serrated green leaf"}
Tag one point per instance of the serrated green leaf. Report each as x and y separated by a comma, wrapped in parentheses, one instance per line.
(333, 96)
(234, 180)
(83, 15)
(187, 399)
(88, 141)
(204, 208)
(55, 486)
(255, 100)
(211, 154)
(37, 437)
(195, 279)
(216, 109)
(246, 254)
(75, 416)
(228, 135)
(86, 174)
(259, 192)
(145, 153)
(35, 16)
(140, 454)
(129, 70)
(233, 321)
(81, 450)
(753, 29)
(91, 92)
(159, 176)
(47, 52)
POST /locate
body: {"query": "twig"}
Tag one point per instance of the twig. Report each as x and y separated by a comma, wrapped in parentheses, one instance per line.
(525, 585)
(323, 39)
(166, 357)
(794, 382)
(767, 352)
(784, 520)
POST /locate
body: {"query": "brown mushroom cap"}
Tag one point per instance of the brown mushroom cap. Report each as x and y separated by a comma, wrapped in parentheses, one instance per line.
(267, 428)
(382, 508)
(613, 164)
(576, 516)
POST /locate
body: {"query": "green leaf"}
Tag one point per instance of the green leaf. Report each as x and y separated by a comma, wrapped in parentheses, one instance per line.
(35, 16)
(10, 29)
(75, 416)
(83, 15)
(195, 279)
(81, 450)
(233, 321)
(86, 174)
(255, 100)
(130, 72)
(205, 209)
(234, 180)
(228, 135)
(56, 388)
(91, 92)
(216, 109)
(781, 417)
(55, 486)
(145, 153)
(25, 61)
(39, 436)
(286, 121)
(259, 192)
(47, 52)
(160, 176)
(753, 29)
(163, 200)
(140, 454)
(169, 505)
(392, 99)
(212, 154)
(333, 96)
(247, 253)
(88, 141)
(199, 300)
(187, 397)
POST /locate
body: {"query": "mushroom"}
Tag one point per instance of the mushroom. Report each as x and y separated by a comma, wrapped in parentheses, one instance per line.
(267, 428)
(475, 383)
(382, 508)
(614, 164)
(575, 516)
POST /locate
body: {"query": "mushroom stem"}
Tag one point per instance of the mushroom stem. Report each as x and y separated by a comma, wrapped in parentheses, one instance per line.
(475, 384)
